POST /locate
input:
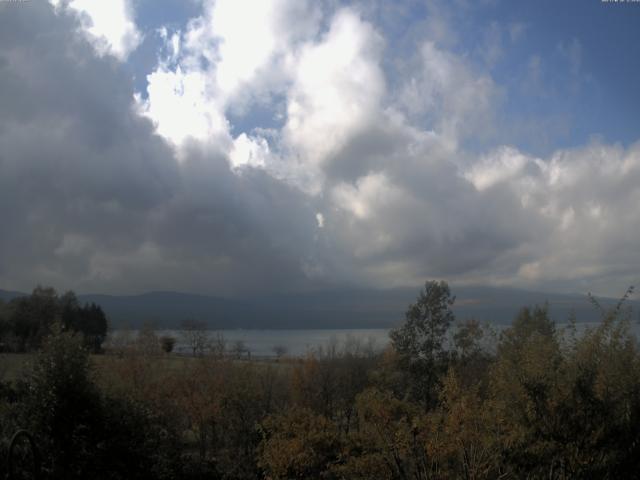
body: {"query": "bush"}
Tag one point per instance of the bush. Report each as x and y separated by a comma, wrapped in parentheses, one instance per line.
(167, 343)
(82, 433)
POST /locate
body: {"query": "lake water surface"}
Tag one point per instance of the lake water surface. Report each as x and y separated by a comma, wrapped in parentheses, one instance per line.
(297, 342)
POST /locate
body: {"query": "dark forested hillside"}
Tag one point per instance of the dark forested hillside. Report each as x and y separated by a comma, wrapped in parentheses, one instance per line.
(330, 309)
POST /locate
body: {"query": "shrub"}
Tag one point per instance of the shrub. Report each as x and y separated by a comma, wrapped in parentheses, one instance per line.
(167, 343)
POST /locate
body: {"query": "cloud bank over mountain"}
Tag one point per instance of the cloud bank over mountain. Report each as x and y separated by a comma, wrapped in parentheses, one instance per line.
(291, 145)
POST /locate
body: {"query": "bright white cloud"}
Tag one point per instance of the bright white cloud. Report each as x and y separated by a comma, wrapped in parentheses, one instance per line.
(182, 106)
(247, 151)
(237, 52)
(234, 55)
(337, 90)
(109, 25)
(247, 41)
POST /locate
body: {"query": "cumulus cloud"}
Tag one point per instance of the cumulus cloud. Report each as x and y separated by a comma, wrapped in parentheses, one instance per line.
(234, 54)
(360, 176)
(337, 89)
(109, 26)
(585, 197)
(182, 106)
(94, 199)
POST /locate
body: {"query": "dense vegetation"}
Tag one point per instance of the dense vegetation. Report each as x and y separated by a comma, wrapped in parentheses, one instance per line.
(26, 321)
(447, 400)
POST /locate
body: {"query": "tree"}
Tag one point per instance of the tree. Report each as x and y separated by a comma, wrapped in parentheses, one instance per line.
(389, 442)
(218, 345)
(299, 444)
(88, 319)
(167, 343)
(473, 344)
(5, 328)
(419, 342)
(62, 403)
(467, 339)
(93, 326)
(239, 348)
(568, 408)
(531, 323)
(463, 439)
(279, 350)
(84, 433)
(29, 319)
(198, 396)
(195, 335)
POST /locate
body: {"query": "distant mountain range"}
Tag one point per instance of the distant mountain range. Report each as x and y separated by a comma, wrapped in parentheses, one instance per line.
(328, 309)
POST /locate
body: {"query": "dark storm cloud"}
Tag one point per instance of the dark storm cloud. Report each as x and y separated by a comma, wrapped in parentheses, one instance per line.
(75, 159)
(93, 199)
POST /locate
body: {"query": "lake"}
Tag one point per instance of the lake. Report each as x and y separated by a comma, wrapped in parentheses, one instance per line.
(261, 343)
(298, 342)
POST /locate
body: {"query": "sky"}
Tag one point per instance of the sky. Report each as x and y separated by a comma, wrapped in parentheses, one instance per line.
(235, 147)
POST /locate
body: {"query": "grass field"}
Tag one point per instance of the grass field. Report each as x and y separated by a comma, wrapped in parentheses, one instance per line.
(14, 365)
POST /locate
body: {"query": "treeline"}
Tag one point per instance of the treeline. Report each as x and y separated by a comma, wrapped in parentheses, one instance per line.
(26, 321)
(447, 400)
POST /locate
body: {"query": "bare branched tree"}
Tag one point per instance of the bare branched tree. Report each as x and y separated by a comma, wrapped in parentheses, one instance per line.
(279, 350)
(239, 348)
(195, 335)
